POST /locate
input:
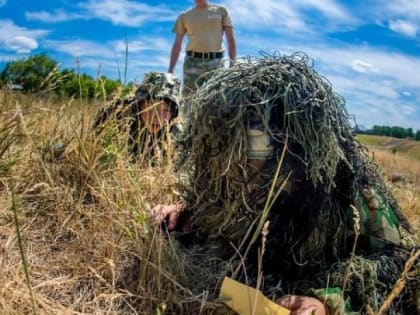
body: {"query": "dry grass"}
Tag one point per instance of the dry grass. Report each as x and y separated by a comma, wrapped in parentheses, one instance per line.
(82, 213)
(402, 175)
(408, 147)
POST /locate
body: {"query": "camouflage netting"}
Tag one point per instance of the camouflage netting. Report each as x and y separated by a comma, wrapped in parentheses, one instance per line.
(121, 119)
(320, 175)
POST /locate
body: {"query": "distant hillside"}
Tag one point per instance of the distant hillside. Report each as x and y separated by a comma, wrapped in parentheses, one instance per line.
(410, 148)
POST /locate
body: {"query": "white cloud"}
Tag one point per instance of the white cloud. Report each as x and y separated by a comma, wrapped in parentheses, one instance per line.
(377, 89)
(372, 110)
(8, 29)
(48, 17)
(388, 65)
(407, 109)
(403, 27)
(288, 16)
(376, 93)
(363, 67)
(22, 44)
(259, 14)
(401, 16)
(79, 48)
(19, 39)
(128, 13)
(142, 44)
(406, 93)
(329, 8)
(409, 9)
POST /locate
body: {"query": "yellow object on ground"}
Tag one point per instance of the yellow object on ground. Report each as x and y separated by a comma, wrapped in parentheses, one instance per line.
(248, 301)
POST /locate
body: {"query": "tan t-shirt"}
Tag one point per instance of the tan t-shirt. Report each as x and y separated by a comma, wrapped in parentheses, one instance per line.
(204, 27)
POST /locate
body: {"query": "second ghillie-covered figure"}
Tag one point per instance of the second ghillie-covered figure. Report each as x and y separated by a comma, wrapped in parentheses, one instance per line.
(148, 116)
(269, 144)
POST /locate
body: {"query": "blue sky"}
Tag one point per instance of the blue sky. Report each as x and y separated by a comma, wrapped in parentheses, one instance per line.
(369, 50)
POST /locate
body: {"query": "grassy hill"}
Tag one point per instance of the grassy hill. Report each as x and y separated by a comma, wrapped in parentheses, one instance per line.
(399, 164)
(407, 147)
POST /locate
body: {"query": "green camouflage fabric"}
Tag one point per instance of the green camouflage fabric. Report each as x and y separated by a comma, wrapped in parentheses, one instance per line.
(378, 221)
(159, 85)
(333, 298)
(196, 72)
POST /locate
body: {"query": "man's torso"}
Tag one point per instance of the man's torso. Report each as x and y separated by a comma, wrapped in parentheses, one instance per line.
(204, 28)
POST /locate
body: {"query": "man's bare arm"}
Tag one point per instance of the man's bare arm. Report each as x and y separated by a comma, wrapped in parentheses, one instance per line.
(176, 49)
(231, 43)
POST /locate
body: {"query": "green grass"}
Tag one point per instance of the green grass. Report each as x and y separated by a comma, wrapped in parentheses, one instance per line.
(406, 147)
(372, 140)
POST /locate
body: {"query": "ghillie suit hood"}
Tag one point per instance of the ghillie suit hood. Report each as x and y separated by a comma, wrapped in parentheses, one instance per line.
(125, 113)
(298, 109)
(312, 177)
(157, 85)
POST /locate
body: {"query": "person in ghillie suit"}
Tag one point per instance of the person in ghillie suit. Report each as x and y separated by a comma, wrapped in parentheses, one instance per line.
(149, 115)
(274, 171)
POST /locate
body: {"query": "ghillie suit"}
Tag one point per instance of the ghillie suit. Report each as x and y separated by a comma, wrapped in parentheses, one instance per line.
(125, 115)
(332, 223)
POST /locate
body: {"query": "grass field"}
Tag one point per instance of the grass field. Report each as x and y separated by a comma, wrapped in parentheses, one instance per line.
(74, 231)
(399, 164)
(81, 211)
(404, 147)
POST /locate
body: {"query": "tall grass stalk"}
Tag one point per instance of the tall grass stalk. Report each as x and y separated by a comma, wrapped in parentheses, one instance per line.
(356, 225)
(126, 60)
(272, 194)
(25, 264)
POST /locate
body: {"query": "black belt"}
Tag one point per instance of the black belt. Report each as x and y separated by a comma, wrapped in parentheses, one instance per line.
(205, 55)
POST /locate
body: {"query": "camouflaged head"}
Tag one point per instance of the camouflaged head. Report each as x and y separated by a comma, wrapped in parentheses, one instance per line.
(159, 85)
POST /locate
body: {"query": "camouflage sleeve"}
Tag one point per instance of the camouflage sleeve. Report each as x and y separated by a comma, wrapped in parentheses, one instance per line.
(360, 284)
(368, 279)
(379, 224)
(333, 299)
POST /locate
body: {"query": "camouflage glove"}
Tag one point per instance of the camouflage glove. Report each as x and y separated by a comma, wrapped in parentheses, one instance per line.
(333, 299)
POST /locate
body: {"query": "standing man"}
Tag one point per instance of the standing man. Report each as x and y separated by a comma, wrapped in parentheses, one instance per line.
(204, 25)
